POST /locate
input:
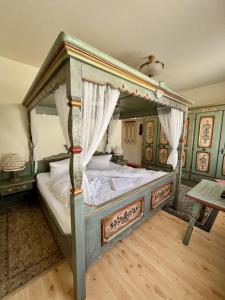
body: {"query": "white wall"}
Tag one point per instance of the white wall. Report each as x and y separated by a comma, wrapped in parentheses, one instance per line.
(15, 79)
(206, 95)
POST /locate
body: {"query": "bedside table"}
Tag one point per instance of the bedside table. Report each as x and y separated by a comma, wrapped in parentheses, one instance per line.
(15, 192)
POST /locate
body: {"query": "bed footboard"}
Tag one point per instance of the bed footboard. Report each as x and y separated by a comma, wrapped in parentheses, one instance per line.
(114, 220)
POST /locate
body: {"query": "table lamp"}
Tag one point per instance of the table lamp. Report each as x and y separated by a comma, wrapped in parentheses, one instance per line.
(13, 163)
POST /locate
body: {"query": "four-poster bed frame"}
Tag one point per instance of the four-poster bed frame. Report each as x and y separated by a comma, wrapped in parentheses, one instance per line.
(95, 229)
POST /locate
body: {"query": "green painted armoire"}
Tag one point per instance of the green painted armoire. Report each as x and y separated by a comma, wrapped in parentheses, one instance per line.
(204, 144)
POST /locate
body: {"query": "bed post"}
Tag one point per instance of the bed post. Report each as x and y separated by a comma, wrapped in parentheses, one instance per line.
(179, 164)
(74, 92)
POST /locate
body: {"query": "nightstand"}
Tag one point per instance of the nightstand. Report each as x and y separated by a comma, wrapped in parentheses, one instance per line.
(15, 192)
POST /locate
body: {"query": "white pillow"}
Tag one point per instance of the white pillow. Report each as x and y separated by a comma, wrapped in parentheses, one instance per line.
(61, 188)
(58, 168)
(99, 162)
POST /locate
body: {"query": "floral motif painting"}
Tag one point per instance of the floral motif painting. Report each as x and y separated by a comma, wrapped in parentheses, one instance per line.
(163, 139)
(223, 168)
(149, 132)
(186, 128)
(161, 194)
(149, 153)
(163, 155)
(122, 218)
(206, 132)
(203, 162)
(129, 132)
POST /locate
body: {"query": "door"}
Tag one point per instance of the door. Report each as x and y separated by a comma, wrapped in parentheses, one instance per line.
(163, 149)
(149, 140)
(221, 153)
(188, 143)
(206, 143)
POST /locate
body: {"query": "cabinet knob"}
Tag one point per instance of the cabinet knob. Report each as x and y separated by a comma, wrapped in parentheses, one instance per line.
(222, 151)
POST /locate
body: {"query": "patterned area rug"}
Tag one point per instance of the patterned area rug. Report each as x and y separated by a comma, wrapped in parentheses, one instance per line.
(184, 210)
(27, 247)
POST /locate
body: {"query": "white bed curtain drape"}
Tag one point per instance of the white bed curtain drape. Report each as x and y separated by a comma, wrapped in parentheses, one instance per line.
(98, 104)
(171, 120)
(34, 136)
(63, 111)
(111, 128)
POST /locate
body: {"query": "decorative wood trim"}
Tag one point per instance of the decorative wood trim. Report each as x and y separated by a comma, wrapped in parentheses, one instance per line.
(75, 149)
(121, 219)
(150, 127)
(149, 153)
(74, 103)
(76, 191)
(161, 194)
(66, 46)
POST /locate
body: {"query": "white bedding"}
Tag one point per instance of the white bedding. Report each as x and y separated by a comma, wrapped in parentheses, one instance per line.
(105, 185)
(61, 213)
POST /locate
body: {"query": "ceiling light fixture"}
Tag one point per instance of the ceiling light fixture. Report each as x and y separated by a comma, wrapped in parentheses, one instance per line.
(152, 67)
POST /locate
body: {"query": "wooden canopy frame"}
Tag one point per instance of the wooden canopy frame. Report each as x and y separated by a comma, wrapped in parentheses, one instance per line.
(71, 61)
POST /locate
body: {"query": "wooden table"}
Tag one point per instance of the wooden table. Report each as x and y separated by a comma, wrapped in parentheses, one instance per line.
(206, 193)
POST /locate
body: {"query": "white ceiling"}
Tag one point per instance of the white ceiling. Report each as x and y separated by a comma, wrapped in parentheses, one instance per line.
(187, 35)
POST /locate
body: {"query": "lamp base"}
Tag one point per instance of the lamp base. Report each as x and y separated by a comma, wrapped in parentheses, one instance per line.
(15, 177)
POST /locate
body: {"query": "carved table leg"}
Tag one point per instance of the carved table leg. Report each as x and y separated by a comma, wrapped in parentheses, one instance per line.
(195, 211)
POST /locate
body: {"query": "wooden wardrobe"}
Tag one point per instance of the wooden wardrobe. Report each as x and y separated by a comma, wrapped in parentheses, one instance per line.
(204, 144)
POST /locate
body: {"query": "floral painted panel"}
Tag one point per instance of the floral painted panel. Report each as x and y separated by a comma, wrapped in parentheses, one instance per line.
(223, 168)
(163, 155)
(129, 132)
(121, 219)
(203, 161)
(184, 156)
(186, 128)
(150, 132)
(149, 153)
(206, 132)
(163, 139)
(161, 194)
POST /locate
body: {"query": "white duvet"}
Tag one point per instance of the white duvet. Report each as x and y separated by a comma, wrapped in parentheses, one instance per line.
(106, 184)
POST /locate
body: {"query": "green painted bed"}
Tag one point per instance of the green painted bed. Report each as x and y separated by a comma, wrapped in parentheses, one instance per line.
(95, 229)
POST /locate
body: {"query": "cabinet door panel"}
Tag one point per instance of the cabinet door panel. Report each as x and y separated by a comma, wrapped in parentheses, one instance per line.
(163, 149)
(206, 143)
(149, 140)
(221, 156)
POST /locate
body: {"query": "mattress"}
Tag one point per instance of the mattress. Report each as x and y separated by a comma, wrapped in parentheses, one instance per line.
(61, 213)
(101, 182)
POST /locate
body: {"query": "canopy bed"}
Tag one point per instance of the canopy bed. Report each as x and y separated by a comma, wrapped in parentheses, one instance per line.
(88, 87)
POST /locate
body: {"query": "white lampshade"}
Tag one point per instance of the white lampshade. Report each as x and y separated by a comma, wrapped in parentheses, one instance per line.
(13, 163)
(152, 68)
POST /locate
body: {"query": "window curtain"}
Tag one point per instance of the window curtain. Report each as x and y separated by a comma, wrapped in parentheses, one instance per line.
(98, 104)
(63, 111)
(34, 136)
(171, 120)
(110, 131)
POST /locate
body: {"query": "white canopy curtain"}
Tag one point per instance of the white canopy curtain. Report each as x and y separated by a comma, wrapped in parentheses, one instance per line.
(98, 104)
(171, 120)
(110, 131)
(34, 135)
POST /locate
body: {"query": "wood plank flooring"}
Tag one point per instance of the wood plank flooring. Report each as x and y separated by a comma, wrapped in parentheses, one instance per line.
(151, 263)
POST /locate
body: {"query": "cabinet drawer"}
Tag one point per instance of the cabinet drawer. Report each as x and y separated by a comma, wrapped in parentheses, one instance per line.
(16, 189)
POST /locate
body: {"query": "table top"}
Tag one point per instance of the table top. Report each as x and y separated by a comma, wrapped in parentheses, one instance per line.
(208, 193)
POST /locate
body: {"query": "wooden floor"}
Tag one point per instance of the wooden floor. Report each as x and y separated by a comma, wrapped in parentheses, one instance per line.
(152, 263)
